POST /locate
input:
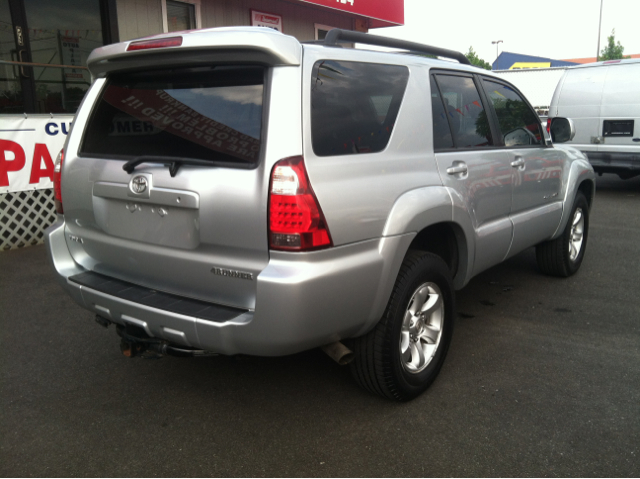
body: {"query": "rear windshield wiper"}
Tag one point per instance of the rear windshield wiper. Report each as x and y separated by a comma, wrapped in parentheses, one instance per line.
(171, 161)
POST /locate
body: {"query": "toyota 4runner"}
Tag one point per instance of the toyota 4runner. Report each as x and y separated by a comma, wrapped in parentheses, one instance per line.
(234, 191)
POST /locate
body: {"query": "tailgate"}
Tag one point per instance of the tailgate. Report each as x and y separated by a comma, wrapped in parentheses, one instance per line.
(189, 216)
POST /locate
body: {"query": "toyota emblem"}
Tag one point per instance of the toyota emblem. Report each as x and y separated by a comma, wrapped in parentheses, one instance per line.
(139, 184)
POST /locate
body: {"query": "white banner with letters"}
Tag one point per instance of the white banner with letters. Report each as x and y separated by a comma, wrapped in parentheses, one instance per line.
(28, 149)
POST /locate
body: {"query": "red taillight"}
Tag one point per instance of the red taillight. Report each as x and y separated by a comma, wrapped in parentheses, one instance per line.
(57, 176)
(296, 222)
(157, 43)
(549, 126)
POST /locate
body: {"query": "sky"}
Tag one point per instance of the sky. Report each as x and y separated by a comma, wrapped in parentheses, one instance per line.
(558, 29)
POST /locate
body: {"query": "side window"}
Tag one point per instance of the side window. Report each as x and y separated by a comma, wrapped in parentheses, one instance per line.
(441, 132)
(354, 106)
(518, 122)
(467, 116)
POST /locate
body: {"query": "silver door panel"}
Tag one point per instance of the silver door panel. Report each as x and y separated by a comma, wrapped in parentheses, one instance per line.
(534, 226)
(539, 180)
(493, 241)
(485, 191)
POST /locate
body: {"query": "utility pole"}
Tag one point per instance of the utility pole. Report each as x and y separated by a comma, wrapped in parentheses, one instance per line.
(496, 43)
(599, 26)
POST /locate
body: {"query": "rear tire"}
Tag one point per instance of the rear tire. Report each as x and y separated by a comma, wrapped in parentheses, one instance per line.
(403, 354)
(563, 255)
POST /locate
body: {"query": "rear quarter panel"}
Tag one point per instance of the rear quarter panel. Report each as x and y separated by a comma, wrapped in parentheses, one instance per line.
(357, 192)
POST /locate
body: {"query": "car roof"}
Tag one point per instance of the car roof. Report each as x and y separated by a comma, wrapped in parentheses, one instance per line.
(625, 61)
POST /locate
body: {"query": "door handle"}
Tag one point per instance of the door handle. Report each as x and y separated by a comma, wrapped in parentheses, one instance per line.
(517, 162)
(454, 170)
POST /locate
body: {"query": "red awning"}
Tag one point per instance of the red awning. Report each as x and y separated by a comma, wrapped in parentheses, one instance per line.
(382, 13)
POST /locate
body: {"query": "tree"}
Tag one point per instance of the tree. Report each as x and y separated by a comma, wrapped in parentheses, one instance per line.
(472, 56)
(612, 51)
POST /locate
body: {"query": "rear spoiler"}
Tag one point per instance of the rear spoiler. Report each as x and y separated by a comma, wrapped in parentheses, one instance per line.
(251, 45)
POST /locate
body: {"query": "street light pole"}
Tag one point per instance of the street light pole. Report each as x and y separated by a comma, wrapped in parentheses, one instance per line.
(599, 26)
(496, 43)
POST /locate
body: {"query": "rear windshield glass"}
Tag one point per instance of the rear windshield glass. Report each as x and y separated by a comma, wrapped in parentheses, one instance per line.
(210, 113)
(354, 106)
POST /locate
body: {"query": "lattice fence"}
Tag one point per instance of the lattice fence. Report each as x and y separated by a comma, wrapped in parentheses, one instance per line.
(24, 215)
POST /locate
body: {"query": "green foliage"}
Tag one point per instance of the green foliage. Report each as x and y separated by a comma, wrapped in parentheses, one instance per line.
(472, 56)
(612, 51)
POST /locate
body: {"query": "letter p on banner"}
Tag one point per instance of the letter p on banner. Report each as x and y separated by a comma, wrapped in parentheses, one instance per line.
(10, 164)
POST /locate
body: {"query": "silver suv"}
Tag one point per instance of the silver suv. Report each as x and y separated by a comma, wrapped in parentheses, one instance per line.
(234, 191)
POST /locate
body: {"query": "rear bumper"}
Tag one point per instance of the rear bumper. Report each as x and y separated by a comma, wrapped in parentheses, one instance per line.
(303, 300)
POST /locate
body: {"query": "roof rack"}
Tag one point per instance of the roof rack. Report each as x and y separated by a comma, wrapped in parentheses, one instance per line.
(348, 36)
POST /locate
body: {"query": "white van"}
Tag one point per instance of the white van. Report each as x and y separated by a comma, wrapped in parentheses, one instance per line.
(603, 100)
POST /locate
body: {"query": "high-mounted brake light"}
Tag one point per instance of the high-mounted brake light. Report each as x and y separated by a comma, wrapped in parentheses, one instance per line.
(157, 43)
(57, 177)
(296, 222)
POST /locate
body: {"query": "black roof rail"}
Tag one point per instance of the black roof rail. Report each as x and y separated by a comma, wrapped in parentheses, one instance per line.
(349, 36)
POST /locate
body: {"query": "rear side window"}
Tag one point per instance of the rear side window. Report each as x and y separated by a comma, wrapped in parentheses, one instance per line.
(442, 138)
(209, 113)
(518, 123)
(354, 106)
(467, 116)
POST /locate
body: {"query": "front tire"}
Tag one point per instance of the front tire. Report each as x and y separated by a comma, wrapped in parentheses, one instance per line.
(403, 354)
(563, 255)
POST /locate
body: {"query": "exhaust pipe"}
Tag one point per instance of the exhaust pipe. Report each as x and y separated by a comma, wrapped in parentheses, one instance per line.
(338, 352)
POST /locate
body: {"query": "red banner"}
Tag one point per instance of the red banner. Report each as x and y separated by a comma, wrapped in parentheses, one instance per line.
(383, 13)
(28, 147)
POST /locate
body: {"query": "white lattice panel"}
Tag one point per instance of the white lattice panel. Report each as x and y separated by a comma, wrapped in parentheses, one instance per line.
(24, 215)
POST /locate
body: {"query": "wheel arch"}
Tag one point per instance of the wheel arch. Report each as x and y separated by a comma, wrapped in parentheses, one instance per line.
(582, 179)
(429, 219)
(448, 241)
(588, 188)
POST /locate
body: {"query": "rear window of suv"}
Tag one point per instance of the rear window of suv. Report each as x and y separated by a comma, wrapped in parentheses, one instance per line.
(209, 113)
(354, 106)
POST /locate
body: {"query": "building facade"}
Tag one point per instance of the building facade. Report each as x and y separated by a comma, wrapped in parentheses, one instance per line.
(518, 61)
(44, 44)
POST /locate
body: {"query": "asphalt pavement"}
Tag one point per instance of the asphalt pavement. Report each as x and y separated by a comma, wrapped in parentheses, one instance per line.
(542, 379)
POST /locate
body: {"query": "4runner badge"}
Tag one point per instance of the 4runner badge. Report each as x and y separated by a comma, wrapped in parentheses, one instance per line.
(138, 184)
(232, 273)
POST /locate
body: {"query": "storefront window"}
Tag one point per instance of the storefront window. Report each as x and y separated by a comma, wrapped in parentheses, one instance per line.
(10, 86)
(53, 32)
(180, 16)
(62, 33)
(322, 30)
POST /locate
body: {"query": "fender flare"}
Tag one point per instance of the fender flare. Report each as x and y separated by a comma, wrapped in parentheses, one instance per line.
(410, 214)
(579, 172)
(407, 218)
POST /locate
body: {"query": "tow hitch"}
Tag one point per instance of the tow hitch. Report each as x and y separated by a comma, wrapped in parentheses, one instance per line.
(135, 342)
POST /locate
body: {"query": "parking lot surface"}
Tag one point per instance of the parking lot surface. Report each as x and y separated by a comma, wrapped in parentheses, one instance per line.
(542, 379)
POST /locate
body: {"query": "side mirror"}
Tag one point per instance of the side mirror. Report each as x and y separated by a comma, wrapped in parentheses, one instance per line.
(562, 129)
(519, 136)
